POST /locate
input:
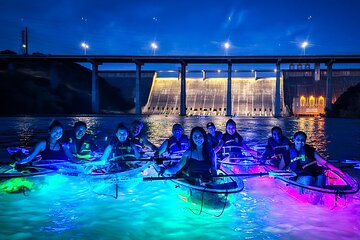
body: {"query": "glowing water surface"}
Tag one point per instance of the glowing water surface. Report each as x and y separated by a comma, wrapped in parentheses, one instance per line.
(65, 207)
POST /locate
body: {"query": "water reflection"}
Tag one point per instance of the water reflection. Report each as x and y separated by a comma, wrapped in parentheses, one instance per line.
(66, 208)
(333, 138)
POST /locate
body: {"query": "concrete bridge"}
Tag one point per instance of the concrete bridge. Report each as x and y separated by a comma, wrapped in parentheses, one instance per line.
(184, 61)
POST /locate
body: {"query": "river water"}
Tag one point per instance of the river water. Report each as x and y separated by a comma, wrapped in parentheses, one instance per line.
(67, 207)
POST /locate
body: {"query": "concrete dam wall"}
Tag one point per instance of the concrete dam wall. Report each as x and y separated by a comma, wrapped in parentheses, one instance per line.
(250, 96)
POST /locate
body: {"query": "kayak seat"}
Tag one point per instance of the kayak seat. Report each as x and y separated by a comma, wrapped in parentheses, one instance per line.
(338, 187)
(228, 185)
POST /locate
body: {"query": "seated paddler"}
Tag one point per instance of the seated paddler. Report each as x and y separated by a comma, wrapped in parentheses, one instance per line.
(178, 142)
(81, 144)
(120, 154)
(50, 148)
(198, 162)
(141, 142)
(304, 160)
(277, 144)
(233, 144)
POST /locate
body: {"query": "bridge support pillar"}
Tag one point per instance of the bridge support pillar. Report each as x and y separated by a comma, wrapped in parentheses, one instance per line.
(183, 90)
(95, 89)
(138, 94)
(228, 92)
(277, 112)
(329, 88)
(54, 76)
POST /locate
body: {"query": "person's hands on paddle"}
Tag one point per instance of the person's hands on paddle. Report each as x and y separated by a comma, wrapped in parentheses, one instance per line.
(22, 161)
(156, 154)
(166, 173)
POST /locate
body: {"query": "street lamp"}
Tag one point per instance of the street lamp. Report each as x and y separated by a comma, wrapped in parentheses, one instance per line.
(154, 46)
(226, 46)
(304, 45)
(85, 46)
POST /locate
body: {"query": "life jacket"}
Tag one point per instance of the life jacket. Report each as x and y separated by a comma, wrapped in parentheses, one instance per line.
(214, 140)
(122, 151)
(175, 146)
(303, 162)
(80, 147)
(232, 144)
(276, 149)
(49, 154)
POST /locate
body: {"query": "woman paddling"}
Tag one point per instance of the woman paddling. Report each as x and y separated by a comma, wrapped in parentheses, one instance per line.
(51, 148)
(233, 143)
(199, 161)
(275, 148)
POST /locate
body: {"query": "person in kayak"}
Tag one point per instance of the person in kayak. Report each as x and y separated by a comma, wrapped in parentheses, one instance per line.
(304, 160)
(120, 150)
(199, 161)
(81, 144)
(51, 148)
(233, 143)
(176, 143)
(214, 137)
(277, 144)
(138, 139)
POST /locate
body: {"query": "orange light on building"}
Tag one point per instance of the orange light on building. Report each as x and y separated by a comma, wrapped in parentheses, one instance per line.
(311, 101)
(302, 101)
(321, 101)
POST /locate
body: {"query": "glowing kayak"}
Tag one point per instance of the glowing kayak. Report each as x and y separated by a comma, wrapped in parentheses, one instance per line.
(99, 171)
(7, 171)
(21, 152)
(109, 183)
(243, 160)
(216, 196)
(17, 153)
(337, 192)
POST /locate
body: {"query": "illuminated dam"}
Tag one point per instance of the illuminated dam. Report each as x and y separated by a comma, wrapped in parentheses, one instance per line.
(300, 92)
(207, 96)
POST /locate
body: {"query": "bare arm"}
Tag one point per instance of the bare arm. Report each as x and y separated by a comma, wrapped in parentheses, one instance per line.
(320, 161)
(219, 146)
(38, 149)
(247, 149)
(174, 169)
(282, 163)
(136, 152)
(149, 144)
(213, 162)
(106, 154)
(163, 147)
(68, 154)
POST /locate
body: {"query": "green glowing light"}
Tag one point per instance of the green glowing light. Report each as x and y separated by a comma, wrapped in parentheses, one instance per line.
(16, 185)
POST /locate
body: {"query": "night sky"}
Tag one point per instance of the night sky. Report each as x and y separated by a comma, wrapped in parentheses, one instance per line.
(193, 27)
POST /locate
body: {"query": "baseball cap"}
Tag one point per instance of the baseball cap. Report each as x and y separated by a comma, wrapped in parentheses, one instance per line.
(210, 124)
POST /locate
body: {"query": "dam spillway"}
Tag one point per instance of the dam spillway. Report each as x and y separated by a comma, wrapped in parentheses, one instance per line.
(207, 96)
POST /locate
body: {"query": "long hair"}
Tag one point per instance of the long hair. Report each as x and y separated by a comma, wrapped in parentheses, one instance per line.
(55, 123)
(206, 150)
